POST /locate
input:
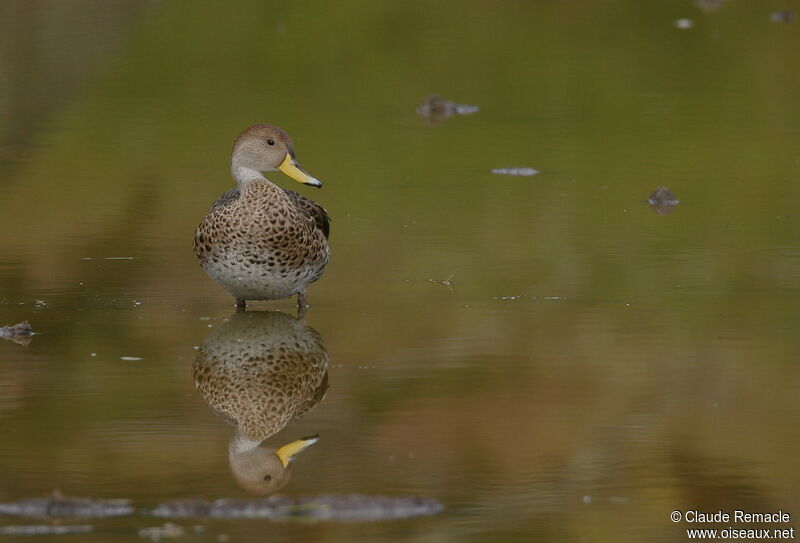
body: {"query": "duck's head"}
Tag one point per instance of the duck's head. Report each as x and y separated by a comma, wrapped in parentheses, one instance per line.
(266, 148)
(261, 470)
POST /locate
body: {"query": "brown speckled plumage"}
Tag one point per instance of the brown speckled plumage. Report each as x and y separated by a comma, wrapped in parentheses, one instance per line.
(259, 241)
(260, 370)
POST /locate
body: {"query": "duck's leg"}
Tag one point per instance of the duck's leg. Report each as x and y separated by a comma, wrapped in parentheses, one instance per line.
(301, 305)
(241, 304)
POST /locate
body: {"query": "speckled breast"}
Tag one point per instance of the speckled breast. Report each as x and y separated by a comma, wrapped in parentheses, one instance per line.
(259, 246)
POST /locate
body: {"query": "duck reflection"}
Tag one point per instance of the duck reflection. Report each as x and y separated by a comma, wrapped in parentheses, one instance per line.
(259, 371)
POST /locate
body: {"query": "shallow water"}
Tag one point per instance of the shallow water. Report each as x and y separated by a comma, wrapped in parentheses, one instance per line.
(545, 355)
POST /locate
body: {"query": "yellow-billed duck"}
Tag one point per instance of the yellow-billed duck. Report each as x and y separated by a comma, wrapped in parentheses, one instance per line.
(259, 241)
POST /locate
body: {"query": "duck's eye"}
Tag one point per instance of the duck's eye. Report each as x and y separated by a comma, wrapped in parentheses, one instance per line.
(271, 142)
(268, 477)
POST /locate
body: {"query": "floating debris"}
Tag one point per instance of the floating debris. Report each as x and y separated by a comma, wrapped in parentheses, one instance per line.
(446, 282)
(662, 196)
(684, 24)
(62, 506)
(330, 507)
(20, 333)
(526, 297)
(663, 201)
(435, 109)
(130, 358)
(157, 533)
(45, 529)
(783, 16)
(515, 171)
(709, 5)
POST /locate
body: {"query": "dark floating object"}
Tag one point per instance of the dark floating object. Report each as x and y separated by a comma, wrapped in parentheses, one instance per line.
(435, 109)
(331, 507)
(59, 505)
(709, 5)
(45, 529)
(19, 333)
(663, 196)
(783, 16)
(663, 201)
(515, 171)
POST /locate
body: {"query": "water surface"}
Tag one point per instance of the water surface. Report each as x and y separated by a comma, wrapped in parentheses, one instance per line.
(545, 355)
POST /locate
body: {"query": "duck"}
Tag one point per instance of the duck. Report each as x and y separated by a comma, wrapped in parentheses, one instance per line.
(259, 241)
(258, 372)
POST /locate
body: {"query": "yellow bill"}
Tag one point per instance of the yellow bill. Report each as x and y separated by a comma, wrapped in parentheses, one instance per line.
(291, 168)
(287, 453)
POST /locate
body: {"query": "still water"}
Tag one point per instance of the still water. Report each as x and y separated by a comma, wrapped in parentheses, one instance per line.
(545, 355)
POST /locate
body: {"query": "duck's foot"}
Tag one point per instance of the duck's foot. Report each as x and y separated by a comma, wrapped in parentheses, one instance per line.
(241, 305)
(301, 305)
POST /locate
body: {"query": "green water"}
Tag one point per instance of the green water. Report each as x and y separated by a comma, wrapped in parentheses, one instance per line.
(546, 355)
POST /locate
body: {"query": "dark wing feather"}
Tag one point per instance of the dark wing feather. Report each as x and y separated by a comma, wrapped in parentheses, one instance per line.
(230, 196)
(311, 209)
